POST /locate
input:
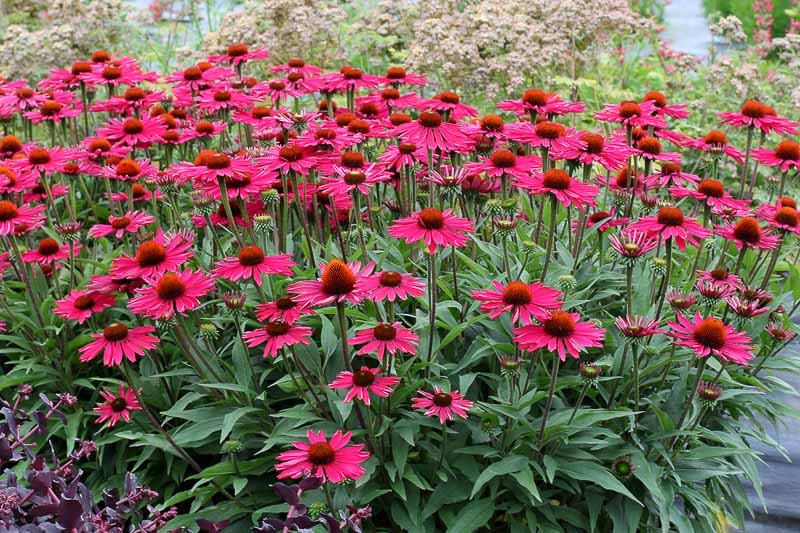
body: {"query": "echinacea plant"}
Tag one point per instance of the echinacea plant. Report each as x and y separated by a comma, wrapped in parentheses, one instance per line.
(544, 315)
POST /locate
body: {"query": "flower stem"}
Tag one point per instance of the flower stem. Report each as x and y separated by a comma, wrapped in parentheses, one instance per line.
(551, 237)
(553, 379)
(343, 334)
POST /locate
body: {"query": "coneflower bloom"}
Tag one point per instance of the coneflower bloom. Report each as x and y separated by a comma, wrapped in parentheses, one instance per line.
(541, 103)
(711, 192)
(117, 406)
(12, 215)
(134, 132)
(384, 338)
(348, 180)
(670, 173)
(710, 336)
(349, 78)
(80, 304)
(560, 332)
(545, 134)
(130, 170)
(297, 65)
(118, 342)
(710, 290)
(430, 131)
(398, 75)
(785, 156)
(53, 111)
(251, 263)
(22, 99)
(404, 154)
(680, 300)
(716, 142)
(637, 327)
(284, 309)
(340, 282)
(173, 292)
(49, 250)
(663, 108)
(650, 148)
(782, 217)
(504, 162)
(363, 382)
(389, 285)
(612, 153)
(720, 276)
(779, 333)
(275, 335)
(757, 115)
(239, 53)
(630, 113)
(560, 184)
(606, 219)
(749, 234)
(433, 227)
(526, 302)
(445, 405)
(671, 223)
(39, 160)
(490, 126)
(131, 222)
(288, 158)
(746, 308)
(222, 98)
(203, 129)
(155, 256)
(334, 461)
(450, 103)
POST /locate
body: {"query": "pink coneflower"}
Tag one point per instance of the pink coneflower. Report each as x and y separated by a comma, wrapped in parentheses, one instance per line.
(39, 160)
(680, 300)
(504, 162)
(239, 53)
(210, 165)
(340, 282)
(630, 113)
(398, 75)
(288, 158)
(384, 338)
(170, 293)
(389, 285)
(53, 111)
(203, 129)
(118, 342)
(757, 115)
(709, 191)
(134, 132)
(722, 277)
(445, 405)
(131, 222)
(363, 382)
(117, 406)
(650, 148)
(782, 217)
(670, 173)
(297, 65)
(526, 302)
(490, 127)
(430, 131)
(746, 308)
(110, 284)
(22, 99)
(12, 215)
(671, 223)
(405, 154)
(222, 97)
(95, 149)
(785, 156)
(560, 184)
(637, 327)
(81, 304)
(710, 336)
(277, 91)
(612, 153)
(663, 108)
(538, 102)
(710, 290)
(135, 99)
(243, 186)
(275, 335)
(327, 139)
(606, 219)
(348, 180)
(779, 333)
(749, 234)
(560, 332)
(334, 461)
(716, 142)
(284, 309)
(450, 103)
(49, 250)
(545, 134)
(251, 263)
(130, 170)
(155, 256)
(434, 227)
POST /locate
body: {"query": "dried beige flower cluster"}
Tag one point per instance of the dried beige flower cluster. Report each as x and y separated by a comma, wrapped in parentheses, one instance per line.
(287, 28)
(729, 29)
(65, 28)
(497, 46)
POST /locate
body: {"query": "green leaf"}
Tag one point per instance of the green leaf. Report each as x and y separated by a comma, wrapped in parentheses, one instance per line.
(587, 471)
(509, 465)
(525, 478)
(229, 421)
(473, 517)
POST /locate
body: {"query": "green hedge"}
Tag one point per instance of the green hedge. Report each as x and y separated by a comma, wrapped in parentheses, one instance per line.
(744, 10)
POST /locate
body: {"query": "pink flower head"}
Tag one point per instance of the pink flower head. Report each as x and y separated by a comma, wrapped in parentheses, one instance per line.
(663, 108)
(251, 263)
(49, 251)
(785, 156)
(526, 302)
(392, 286)
(709, 191)
(155, 256)
(81, 304)
(117, 406)
(397, 75)
(537, 102)
(171, 293)
(348, 180)
(721, 277)
(757, 115)
(384, 338)
(131, 222)
(284, 309)
(118, 342)
(239, 53)
(288, 158)
(504, 162)
(748, 233)
(221, 98)
(349, 79)
(671, 223)
(340, 282)
(670, 173)
(297, 65)
(560, 332)
(716, 142)
(12, 215)
(745, 308)
(334, 461)
(275, 335)
(39, 160)
(363, 382)
(650, 148)
(430, 131)
(782, 217)
(53, 111)
(630, 113)
(134, 132)
(546, 135)
(710, 336)
(636, 327)
(445, 405)
(612, 153)
(434, 227)
(560, 184)
(606, 219)
(450, 103)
